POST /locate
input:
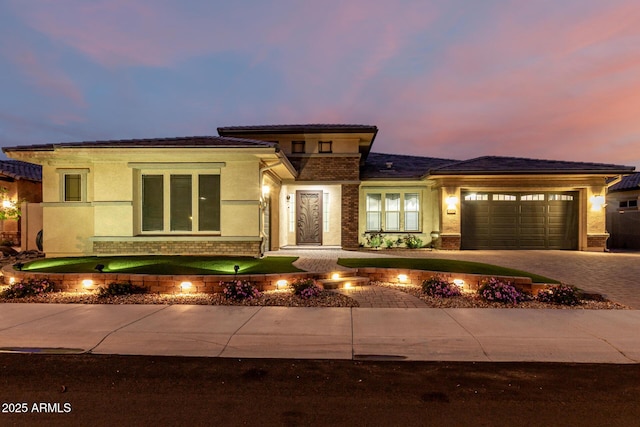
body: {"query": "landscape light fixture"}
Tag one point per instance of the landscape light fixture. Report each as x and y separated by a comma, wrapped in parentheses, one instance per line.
(236, 268)
(99, 267)
(18, 266)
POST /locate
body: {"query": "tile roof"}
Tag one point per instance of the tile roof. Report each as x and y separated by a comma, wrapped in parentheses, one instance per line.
(306, 128)
(180, 142)
(397, 166)
(21, 170)
(627, 183)
(514, 165)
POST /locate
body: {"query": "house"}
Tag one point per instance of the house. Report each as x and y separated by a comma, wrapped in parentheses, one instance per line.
(257, 188)
(623, 216)
(19, 182)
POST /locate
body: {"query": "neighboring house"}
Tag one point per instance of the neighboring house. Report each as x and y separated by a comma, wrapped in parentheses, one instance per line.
(255, 188)
(623, 216)
(21, 182)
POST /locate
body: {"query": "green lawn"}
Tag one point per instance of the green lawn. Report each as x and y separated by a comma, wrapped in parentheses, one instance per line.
(161, 264)
(444, 265)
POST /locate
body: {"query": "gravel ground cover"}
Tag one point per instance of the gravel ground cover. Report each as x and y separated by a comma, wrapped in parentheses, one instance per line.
(285, 298)
(472, 300)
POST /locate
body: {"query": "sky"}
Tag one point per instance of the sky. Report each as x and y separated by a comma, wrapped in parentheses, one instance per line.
(458, 79)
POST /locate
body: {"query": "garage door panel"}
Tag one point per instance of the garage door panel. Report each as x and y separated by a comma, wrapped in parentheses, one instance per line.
(521, 224)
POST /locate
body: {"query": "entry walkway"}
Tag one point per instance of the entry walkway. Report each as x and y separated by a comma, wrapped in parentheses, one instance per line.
(378, 297)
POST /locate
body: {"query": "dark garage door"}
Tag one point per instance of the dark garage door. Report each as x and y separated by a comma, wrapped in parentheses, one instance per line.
(532, 220)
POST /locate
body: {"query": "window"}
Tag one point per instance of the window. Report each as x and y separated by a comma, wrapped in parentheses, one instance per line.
(411, 212)
(633, 204)
(532, 197)
(374, 212)
(504, 197)
(180, 202)
(392, 212)
(73, 185)
(476, 197)
(325, 146)
(325, 212)
(400, 212)
(560, 197)
(297, 147)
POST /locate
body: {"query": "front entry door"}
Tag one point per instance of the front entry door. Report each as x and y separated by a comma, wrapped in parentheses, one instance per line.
(309, 218)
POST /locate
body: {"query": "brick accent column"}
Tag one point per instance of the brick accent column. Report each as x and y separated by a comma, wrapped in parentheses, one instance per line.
(597, 242)
(350, 220)
(450, 242)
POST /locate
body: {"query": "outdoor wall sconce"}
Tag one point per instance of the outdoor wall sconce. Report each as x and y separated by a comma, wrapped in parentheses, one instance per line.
(597, 202)
(99, 267)
(265, 190)
(452, 202)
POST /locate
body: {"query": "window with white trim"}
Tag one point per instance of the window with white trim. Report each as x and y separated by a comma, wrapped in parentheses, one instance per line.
(374, 212)
(392, 212)
(629, 204)
(180, 202)
(411, 212)
(73, 185)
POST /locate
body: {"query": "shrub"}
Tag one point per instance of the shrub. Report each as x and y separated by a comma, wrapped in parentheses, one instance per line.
(305, 288)
(440, 288)
(560, 294)
(495, 290)
(389, 243)
(239, 290)
(374, 240)
(32, 287)
(412, 242)
(115, 289)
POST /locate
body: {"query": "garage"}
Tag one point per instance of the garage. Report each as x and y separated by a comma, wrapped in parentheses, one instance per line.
(519, 220)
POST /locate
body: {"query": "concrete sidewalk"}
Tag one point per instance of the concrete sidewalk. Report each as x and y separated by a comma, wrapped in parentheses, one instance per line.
(582, 336)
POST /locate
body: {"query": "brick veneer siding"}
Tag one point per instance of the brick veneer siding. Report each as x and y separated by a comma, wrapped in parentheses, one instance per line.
(349, 229)
(597, 242)
(195, 247)
(450, 242)
(327, 168)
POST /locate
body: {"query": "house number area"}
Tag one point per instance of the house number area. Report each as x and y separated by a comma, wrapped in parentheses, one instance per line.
(36, 408)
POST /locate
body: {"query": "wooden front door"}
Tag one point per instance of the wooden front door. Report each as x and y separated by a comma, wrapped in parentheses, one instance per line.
(309, 217)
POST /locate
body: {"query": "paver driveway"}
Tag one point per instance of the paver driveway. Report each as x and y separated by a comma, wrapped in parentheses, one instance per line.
(616, 275)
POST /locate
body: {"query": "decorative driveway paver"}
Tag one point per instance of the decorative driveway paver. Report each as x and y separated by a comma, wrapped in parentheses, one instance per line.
(613, 274)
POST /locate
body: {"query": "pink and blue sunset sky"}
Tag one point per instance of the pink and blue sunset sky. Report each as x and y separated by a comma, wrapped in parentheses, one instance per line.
(455, 79)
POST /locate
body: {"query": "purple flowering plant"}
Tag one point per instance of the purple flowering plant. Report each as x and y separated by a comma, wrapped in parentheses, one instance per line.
(306, 288)
(560, 294)
(439, 287)
(496, 290)
(239, 290)
(30, 288)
